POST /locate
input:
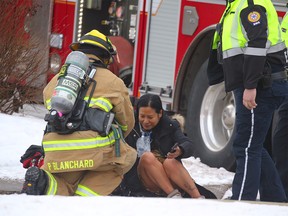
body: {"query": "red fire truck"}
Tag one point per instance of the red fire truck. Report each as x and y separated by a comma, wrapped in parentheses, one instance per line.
(163, 47)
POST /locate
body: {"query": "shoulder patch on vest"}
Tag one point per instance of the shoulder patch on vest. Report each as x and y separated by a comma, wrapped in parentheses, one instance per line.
(254, 18)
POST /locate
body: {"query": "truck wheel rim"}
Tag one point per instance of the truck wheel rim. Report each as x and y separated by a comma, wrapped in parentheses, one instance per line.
(217, 117)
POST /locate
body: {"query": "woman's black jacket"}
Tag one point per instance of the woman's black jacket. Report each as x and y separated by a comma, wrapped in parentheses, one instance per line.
(163, 137)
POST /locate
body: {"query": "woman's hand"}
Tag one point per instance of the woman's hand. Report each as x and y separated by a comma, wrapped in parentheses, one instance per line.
(175, 153)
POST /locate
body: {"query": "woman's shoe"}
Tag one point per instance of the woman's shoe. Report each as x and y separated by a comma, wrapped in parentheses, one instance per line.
(175, 194)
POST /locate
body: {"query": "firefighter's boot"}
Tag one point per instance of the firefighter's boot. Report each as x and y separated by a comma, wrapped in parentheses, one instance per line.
(35, 181)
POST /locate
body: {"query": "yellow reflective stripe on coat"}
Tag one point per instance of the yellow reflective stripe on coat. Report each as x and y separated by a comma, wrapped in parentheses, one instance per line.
(101, 102)
(52, 188)
(85, 191)
(60, 145)
(48, 104)
(123, 127)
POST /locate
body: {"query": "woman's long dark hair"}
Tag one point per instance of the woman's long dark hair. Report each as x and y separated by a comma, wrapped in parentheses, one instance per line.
(149, 100)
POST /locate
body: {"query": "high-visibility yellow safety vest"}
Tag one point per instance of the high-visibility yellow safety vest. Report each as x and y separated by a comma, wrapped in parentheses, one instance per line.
(234, 40)
(284, 29)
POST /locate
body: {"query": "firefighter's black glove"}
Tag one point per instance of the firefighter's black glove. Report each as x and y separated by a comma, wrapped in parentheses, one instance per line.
(33, 156)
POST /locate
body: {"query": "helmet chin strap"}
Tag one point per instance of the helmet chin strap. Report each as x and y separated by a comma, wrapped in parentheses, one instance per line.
(93, 57)
(115, 53)
(96, 59)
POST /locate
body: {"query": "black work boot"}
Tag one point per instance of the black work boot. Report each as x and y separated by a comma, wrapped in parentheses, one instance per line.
(35, 181)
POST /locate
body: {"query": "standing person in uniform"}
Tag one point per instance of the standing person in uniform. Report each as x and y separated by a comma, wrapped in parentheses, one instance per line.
(85, 162)
(158, 170)
(280, 136)
(248, 54)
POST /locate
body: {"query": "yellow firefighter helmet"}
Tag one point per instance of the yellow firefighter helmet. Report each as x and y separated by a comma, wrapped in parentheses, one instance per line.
(94, 42)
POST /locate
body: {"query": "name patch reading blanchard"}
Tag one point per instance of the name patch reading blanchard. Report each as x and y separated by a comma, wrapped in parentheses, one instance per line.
(68, 165)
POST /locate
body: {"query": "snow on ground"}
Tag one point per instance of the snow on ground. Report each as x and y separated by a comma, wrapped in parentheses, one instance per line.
(23, 129)
(18, 132)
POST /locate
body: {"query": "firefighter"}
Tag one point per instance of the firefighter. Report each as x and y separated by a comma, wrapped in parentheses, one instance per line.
(83, 162)
(248, 54)
(280, 136)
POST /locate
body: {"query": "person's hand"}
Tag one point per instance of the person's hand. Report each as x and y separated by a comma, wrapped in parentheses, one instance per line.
(175, 153)
(249, 97)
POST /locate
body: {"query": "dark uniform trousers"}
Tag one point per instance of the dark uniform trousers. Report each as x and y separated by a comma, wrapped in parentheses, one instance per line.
(256, 170)
(280, 144)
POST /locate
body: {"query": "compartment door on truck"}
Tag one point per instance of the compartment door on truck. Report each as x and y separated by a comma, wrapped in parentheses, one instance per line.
(161, 46)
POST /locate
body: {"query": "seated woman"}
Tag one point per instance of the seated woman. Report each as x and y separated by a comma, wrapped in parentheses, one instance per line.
(161, 145)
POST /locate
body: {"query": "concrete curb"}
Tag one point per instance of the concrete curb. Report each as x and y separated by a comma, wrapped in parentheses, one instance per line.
(10, 186)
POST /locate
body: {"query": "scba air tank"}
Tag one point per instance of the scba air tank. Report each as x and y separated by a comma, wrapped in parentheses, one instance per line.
(70, 80)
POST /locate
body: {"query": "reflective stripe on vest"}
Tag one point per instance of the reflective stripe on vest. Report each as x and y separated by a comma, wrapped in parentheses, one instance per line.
(60, 145)
(234, 40)
(52, 188)
(253, 51)
(85, 191)
(101, 102)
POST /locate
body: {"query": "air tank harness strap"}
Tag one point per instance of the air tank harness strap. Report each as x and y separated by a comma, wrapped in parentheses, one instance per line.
(117, 131)
(118, 134)
(120, 130)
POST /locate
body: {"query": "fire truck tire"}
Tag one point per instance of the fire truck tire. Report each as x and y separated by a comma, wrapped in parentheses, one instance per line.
(210, 122)
(126, 75)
